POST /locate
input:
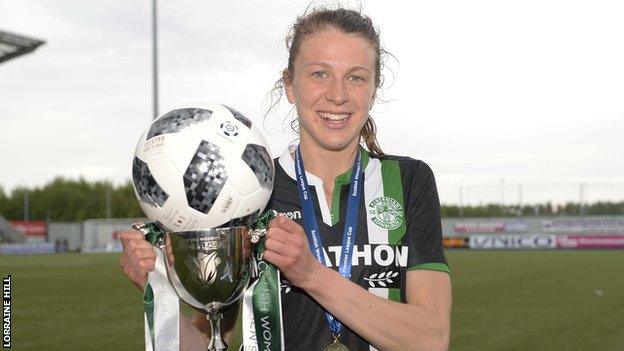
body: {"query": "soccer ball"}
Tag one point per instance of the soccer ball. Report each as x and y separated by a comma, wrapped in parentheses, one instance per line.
(202, 166)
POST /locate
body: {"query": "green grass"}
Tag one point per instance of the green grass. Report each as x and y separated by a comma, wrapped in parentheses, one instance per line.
(503, 300)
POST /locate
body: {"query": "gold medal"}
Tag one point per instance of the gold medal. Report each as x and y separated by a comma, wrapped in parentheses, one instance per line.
(336, 346)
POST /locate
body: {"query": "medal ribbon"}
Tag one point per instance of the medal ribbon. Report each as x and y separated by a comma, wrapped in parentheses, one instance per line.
(350, 230)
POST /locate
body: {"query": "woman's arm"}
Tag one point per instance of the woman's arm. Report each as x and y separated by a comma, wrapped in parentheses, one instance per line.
(423, 323)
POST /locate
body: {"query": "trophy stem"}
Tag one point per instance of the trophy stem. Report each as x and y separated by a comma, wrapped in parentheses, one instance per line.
(216, 341)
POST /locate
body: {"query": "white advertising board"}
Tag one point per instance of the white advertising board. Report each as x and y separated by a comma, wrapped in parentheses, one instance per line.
(509, 241)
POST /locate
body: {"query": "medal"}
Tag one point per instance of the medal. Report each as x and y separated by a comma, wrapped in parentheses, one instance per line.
(336, 346)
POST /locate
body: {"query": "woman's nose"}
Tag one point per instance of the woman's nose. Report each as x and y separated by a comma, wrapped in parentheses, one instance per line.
(337, 92)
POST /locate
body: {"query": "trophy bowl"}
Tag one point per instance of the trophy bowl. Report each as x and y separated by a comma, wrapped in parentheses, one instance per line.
(209, 269)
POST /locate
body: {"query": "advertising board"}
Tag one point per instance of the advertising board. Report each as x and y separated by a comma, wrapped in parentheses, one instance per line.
(491, 227)
(590, 242)
(583, 225)
(510, 241)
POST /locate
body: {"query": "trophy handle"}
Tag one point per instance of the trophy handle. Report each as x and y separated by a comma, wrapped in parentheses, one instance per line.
(256, 234)
(152, 233)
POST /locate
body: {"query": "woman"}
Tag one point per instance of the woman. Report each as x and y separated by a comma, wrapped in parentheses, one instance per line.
(392, 289)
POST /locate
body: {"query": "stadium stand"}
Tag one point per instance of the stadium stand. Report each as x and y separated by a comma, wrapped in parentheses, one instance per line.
(14, 45)
(8, 233)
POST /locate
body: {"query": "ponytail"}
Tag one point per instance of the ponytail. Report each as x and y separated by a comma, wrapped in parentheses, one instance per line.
(368, 133)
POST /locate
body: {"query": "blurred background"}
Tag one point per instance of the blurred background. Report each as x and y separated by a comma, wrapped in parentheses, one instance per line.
(517, 107)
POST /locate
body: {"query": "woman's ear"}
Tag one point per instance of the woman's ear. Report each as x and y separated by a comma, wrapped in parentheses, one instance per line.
(288, 89)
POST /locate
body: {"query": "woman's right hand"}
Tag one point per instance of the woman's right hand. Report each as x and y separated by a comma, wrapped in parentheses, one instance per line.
(137, 258)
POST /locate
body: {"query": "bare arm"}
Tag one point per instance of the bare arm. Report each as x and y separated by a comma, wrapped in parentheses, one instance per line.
(423, 323)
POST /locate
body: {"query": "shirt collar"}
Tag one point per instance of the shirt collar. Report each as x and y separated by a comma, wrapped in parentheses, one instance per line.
(288, 164)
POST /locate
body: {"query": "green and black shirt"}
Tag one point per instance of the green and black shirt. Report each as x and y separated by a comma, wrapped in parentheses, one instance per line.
(399, 229)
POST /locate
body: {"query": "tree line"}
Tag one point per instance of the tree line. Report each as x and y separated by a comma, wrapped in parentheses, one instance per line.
(71, 200)
(76, 200)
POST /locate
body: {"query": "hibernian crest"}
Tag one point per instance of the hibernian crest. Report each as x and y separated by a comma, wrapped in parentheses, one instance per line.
(386, 212)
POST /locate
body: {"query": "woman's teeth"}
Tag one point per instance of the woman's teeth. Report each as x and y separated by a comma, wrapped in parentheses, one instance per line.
(333, 117)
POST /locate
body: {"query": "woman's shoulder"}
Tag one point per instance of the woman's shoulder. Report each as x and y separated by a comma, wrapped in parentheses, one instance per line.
(407, 164)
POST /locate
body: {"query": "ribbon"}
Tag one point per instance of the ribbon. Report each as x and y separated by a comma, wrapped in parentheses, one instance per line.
(350, 230)
(262, 305)
(160, 302)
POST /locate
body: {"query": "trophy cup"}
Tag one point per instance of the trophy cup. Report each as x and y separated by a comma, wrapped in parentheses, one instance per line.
(202, 173)
(208, 269)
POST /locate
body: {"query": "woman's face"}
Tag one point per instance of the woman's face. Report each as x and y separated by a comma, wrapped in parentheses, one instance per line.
(333, 88)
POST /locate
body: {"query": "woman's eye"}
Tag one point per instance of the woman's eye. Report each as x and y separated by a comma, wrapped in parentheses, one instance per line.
(357, 78)
(319, 74)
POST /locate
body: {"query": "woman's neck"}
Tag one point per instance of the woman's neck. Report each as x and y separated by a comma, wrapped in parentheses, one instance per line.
(328, 164)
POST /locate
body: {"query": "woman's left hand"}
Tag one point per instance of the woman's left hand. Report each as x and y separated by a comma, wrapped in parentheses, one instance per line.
(286, 246)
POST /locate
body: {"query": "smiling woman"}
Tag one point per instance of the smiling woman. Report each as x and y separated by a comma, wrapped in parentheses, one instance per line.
(362, 265)
(332, 77)
(332, 84)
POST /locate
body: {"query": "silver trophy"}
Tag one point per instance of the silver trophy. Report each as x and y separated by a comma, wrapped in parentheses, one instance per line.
(196, 167)
(209, 269)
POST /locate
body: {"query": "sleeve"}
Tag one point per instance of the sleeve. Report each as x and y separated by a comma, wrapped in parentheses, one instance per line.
(424, 227)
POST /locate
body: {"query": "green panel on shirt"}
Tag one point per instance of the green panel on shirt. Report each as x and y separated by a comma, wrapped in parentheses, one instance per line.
(394, 294)
(344, 179)
(440, 267)
(393, 188)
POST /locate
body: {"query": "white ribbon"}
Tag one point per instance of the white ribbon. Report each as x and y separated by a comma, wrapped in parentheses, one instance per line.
(166, 310)
(250, 342)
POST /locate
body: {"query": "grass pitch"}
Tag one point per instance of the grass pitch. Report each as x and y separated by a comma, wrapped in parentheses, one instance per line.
(503, 300)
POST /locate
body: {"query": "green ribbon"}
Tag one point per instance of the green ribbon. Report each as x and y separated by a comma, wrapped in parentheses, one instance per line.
(148, 307)
(153, 234)
(266, 294)
(262, 222)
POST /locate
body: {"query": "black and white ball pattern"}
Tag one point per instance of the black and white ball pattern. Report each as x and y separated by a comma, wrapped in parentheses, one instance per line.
(146, 186)
(177, 120)
(205, 176)
(202, 166)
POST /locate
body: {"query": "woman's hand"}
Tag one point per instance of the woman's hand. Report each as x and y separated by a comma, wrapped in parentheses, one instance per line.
(137, 258)
(286, 247)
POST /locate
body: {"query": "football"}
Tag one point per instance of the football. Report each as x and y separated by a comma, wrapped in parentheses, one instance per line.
(202, 166)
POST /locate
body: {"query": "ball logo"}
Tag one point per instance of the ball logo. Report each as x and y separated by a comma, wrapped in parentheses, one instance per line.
(229, 129)
(386, 212)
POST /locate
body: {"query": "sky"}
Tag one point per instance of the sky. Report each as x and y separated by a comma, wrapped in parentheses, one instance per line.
(512, 102)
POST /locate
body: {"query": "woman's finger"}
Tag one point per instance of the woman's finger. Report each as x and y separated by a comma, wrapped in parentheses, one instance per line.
(139, 254)
(275, 258)
(279, 234)
(277, 247)
(286, 224)
(129, 235)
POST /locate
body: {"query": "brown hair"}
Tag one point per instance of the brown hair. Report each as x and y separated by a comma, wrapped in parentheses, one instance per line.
(347, 21)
